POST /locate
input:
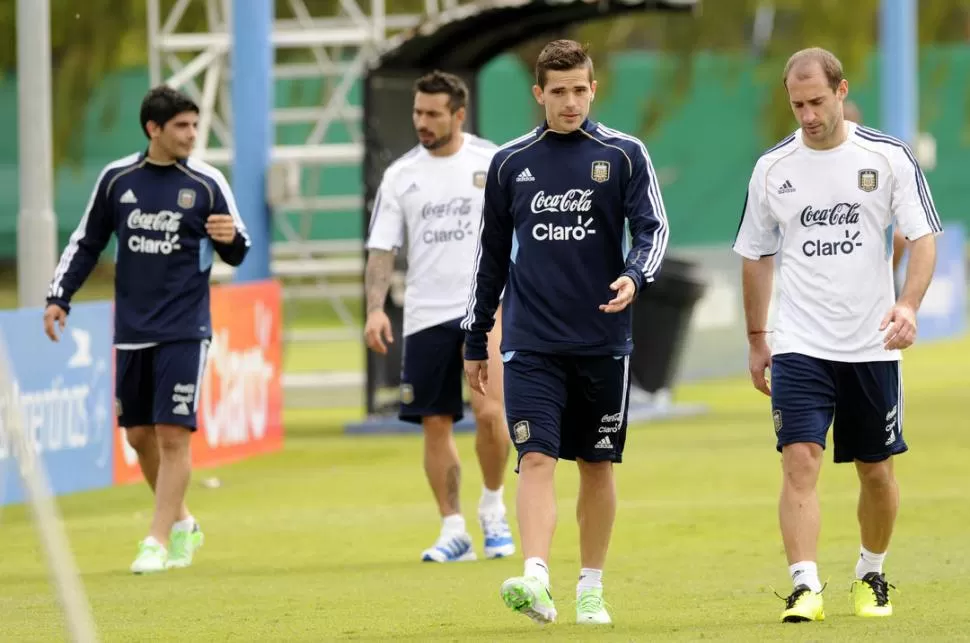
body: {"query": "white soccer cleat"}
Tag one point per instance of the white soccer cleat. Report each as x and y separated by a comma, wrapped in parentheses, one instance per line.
(591, 608)
(151, 558)
(528, 595)
(450, 548)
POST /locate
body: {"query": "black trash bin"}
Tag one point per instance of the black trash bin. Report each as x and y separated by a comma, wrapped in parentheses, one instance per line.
(661, 318)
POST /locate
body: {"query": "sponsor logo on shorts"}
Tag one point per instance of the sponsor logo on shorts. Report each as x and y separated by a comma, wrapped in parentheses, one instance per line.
(521, 432)
(183, 395)
(610, 423)
(892, 421)
(604, 443)
(776, 416)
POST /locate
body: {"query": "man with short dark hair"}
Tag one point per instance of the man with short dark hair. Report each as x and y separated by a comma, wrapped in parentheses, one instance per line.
(826, 199)
(169, 213)
(557, 204)
(432, 196)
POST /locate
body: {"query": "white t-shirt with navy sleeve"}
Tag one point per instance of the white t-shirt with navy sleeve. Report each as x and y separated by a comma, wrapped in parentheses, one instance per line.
(435, 204)
(829, 216)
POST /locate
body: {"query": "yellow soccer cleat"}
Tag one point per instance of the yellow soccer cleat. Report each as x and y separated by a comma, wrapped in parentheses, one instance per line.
(870, 596)
(803, 605)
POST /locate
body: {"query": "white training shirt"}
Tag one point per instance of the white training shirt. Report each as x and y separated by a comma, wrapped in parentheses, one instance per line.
(437, 203)
(831, 214)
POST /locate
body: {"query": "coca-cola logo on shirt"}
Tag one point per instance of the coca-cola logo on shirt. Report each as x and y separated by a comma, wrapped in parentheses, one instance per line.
(838, 214)
(568, 202)
(456, 207)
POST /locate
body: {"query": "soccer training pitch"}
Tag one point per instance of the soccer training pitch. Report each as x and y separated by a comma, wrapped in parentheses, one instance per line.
(322, 541)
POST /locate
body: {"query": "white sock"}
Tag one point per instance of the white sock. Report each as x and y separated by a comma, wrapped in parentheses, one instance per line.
(868, 562)
(152, 541)
(805, 573)
(184, 525)
(536, 568)
(491, 500)
(453, 524)
(589, 579)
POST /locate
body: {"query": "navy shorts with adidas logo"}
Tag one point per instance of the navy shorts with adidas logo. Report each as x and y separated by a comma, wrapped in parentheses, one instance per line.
(567, 407)
(864, 398)
(160, 384)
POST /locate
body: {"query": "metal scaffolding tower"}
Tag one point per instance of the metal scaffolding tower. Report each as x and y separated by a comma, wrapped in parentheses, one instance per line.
(329, 55)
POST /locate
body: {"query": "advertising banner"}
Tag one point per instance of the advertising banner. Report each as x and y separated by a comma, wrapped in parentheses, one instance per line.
(65, 392)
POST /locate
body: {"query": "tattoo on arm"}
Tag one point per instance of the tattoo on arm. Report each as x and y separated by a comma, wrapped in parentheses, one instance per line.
(377, 278)
(453, 485)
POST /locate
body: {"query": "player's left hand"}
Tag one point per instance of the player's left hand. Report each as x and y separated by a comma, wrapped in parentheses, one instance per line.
(626, 290)
(221, 227)
(477, 373)
(901, 324)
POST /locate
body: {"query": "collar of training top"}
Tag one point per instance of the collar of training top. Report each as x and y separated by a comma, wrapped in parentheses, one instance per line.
(144, 155)
(588, 126)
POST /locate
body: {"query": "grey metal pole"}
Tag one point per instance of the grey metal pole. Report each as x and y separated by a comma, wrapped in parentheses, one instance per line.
(36, 224)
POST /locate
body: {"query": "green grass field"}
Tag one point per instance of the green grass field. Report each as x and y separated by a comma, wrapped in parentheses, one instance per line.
(322, 540)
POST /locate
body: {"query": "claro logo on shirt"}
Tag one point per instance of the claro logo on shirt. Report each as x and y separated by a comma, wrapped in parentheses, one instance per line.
(165, 227)
(570, 202)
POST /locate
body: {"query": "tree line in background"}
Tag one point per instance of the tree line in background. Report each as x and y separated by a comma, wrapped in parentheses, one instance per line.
(93, 39)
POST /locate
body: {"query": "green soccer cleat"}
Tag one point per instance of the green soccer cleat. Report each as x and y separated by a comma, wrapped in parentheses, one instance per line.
(870, 596)
(591, 608)
(183, 545)
(528, 595)
(803, 605)
(151, 558)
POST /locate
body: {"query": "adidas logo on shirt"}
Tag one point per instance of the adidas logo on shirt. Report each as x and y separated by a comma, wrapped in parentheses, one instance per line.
(786, 187)
(129, 197)
(524, 175)
(412, 188)
(605, 443)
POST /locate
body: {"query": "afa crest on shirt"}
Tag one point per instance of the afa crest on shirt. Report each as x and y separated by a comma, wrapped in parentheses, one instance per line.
(868, 180)
(601, 171)
(186, 199)
(478, 179)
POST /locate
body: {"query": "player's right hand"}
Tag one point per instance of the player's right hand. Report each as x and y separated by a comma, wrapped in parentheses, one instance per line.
(377, 330)
(54, 317)
(477, 373)
(759, 361)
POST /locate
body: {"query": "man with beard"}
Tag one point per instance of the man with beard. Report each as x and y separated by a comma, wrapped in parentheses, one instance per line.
(432, 196)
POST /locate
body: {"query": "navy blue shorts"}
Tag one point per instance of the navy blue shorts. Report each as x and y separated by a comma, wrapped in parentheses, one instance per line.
(432, 369)
(865, 399)
(567, 407)
(160, 384)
